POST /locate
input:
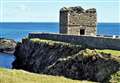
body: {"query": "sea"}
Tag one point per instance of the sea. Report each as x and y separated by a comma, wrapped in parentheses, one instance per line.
(19, 30)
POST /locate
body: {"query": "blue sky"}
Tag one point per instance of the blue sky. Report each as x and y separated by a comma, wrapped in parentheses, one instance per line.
(48, 10)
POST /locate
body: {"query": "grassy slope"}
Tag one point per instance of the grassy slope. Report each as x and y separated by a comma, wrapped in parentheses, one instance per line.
(20, 76)
(52, 42)
(113, 52)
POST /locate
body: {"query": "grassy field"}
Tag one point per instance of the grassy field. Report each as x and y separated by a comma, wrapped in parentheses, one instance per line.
(113, 52)
(20, 76)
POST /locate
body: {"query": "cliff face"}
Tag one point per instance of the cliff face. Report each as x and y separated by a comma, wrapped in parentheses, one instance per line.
(34, 56)
(63, 59)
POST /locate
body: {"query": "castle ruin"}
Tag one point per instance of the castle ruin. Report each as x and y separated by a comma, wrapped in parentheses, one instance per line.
(77, 21)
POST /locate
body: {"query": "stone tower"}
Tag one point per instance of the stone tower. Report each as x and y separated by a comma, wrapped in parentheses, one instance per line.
(77, 21)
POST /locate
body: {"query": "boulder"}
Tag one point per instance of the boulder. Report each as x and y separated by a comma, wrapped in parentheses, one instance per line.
(7, 45)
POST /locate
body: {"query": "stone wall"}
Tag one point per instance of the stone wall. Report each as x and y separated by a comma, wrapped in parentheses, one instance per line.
(63, 22)
(88, 41)
(85, 19)
(73, 19)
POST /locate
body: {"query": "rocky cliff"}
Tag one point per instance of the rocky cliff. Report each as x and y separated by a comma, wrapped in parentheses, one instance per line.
(64, 59)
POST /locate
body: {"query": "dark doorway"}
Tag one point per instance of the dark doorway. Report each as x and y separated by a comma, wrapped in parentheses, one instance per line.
(82, 31)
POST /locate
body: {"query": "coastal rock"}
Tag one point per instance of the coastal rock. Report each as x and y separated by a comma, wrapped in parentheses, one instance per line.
(7, 45)
(95, 67)
(35, 56)
(63, 59)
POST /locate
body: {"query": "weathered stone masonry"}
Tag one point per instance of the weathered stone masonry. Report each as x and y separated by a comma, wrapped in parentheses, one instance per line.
(77, 21)
(89, 41)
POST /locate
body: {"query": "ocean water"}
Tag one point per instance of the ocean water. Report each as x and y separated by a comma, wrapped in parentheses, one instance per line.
(17, 31)
(6, 60)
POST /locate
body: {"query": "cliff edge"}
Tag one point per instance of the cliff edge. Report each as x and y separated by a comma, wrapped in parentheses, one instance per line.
(65, 59)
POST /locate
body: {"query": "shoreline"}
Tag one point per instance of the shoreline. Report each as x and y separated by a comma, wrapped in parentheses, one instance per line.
(7, 53)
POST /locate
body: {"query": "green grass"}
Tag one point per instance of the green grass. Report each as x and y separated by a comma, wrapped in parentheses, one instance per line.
(115, 78)
(20, 76)
(113, 52)
(52, 42)
(37, 40)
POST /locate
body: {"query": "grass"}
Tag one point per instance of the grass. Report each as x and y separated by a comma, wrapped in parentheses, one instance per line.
(52, 42)
(47, 41)
(115, 78)
(113, 52)
(20, 76)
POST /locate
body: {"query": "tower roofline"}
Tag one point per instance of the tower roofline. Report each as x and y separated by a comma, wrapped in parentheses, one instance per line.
(77, 9)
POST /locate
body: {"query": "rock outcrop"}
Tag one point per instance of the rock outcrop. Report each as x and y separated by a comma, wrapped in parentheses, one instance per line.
(36, 56)
(64, 59)
(7, 45)
(85, 65)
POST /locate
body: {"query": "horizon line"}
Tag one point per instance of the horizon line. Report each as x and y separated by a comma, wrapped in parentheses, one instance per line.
(51, 22)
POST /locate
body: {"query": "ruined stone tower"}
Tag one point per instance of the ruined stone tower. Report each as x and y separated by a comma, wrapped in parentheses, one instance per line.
(77, 21)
